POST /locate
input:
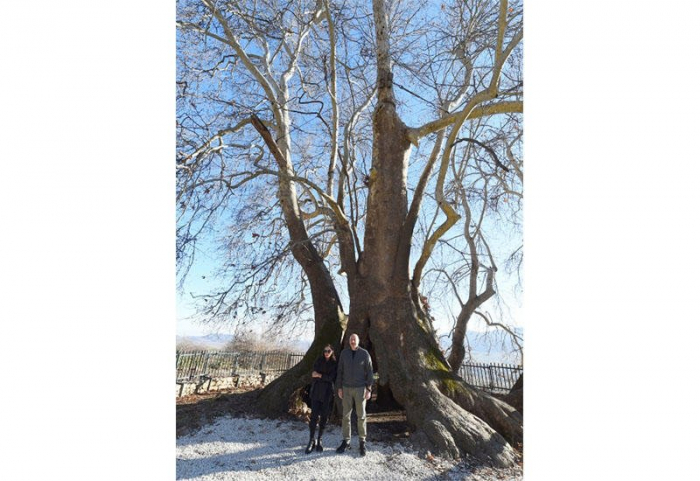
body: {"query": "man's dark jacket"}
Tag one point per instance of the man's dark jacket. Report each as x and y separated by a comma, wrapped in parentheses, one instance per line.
(354, 371)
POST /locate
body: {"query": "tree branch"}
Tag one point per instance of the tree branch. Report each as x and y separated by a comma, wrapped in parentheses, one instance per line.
(275, 151)
(485, 147)
(416, 133)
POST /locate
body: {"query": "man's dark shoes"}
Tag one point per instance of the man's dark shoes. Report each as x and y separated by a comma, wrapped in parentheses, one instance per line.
(363, 450)
(319, 446)
(311, 446)
(343, 446)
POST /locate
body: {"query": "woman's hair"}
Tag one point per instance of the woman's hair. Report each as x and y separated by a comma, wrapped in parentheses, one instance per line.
(328, 346)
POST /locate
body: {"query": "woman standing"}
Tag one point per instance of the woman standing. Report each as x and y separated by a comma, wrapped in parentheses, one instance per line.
(323, 377)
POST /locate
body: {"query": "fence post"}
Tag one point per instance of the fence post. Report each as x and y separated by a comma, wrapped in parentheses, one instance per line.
(192, 367)
(206, 363)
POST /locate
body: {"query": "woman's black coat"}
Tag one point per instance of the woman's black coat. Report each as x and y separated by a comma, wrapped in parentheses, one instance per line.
(322, 388)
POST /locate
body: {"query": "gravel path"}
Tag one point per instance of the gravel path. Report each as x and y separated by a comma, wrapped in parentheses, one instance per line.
(257, 449)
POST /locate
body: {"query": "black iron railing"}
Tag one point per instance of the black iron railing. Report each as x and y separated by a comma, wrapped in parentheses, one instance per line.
(495, 378)
(191, 365)
(216, 364)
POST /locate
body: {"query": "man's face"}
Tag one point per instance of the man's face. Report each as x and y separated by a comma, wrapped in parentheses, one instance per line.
(354, 342)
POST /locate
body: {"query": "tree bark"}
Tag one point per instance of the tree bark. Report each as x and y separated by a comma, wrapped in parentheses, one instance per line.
(282, 394)
(329, 318)
(457, 352)
(515, 396)
(455, 417)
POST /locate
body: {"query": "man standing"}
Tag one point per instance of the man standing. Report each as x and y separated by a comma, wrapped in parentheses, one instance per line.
(354, 381)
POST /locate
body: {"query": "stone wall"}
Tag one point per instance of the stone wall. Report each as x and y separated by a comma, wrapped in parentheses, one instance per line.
(257, 379)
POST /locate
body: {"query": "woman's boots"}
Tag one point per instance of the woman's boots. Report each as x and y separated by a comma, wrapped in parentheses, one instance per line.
(315, 444)
(311, 445)
(319, 446)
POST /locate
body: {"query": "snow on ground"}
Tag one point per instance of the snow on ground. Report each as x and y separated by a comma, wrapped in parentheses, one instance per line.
(257, 449)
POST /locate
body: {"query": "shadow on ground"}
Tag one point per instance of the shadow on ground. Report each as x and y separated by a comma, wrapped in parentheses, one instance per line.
(256, 459)
(195, 411)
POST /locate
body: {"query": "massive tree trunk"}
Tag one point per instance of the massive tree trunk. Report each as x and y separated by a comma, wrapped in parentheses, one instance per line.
(455, 417)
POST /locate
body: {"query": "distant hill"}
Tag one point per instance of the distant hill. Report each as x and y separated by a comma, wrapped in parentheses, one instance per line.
(219, 341)
(485, 349)
(210, 341)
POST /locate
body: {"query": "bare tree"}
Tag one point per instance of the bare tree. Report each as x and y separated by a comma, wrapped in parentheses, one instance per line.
(276, 95)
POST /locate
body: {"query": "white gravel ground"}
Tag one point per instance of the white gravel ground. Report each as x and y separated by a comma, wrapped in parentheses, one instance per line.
(255, 449)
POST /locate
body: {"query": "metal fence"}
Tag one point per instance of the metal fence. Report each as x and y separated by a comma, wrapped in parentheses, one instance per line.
(496, 378)
(215, 364)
